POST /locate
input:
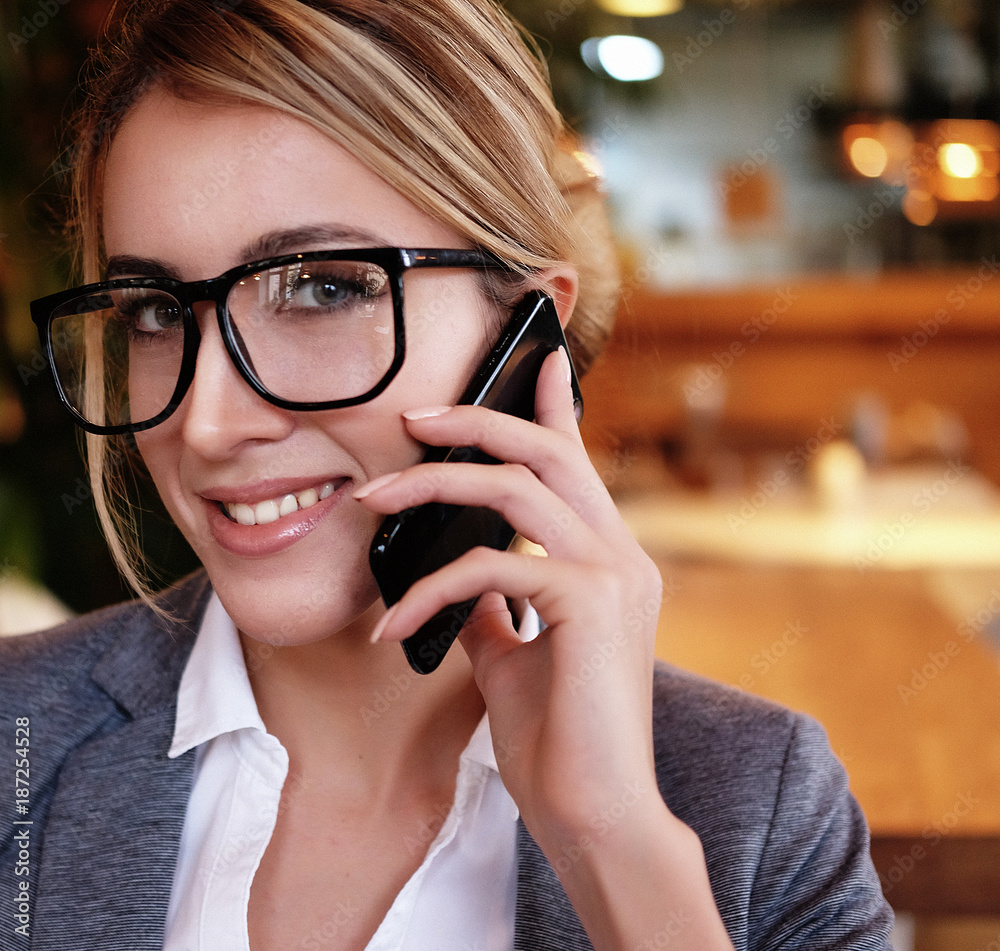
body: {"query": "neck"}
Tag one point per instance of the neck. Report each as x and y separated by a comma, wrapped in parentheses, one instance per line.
(358, 716)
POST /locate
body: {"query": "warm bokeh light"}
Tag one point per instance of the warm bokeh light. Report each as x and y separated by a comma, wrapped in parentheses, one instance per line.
(879, 149)
(641, 8)
(964, 164)
(868, 156)
(950, 168)
(960, 160)
(919, 207)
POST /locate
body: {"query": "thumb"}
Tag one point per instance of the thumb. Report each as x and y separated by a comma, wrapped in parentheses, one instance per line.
(488, 634)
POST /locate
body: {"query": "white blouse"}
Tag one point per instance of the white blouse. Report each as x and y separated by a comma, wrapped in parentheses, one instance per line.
(462, 896)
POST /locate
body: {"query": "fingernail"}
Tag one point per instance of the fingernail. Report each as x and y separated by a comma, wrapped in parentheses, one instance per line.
(566, 365)
(375, 484)
(425, 412)
(382, 624)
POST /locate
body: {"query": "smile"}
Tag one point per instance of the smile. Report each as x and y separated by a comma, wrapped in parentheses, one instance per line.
(270, 510)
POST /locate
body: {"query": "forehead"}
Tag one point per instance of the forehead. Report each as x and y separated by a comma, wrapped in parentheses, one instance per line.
(190, 184)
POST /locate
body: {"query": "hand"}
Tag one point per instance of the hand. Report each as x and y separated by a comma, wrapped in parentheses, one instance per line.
(570, 711)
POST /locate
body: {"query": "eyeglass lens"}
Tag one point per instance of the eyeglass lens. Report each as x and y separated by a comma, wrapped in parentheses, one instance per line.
(309, 332)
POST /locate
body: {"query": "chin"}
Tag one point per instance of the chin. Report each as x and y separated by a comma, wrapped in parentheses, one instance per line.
(286, 608)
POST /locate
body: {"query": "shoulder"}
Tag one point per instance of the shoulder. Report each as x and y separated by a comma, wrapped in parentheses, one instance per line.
(69, 687)
(59, 670)
(55, 664)
(725, 758)
(706, 730)
(785, 842)
(684, 699)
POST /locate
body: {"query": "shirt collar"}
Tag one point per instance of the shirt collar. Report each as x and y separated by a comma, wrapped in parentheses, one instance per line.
(480, 746)
(215, 695)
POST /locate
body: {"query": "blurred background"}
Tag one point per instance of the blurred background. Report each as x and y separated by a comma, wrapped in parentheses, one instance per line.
(798, 412)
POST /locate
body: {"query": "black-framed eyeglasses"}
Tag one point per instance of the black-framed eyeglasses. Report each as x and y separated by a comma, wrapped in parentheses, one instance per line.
(311, 331)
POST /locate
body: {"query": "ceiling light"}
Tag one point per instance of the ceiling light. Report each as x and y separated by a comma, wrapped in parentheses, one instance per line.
(628, 59)
(641, 8)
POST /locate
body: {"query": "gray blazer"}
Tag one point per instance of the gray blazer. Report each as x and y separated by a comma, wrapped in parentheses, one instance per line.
(785, 843)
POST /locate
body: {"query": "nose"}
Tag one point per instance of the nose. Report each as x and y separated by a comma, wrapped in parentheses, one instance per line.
(220, 411)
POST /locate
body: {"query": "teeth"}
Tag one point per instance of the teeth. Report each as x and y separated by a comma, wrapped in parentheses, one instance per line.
(270, 510)
(242, 513)
(266, 512)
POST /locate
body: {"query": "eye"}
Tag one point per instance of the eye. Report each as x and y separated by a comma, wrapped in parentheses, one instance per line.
(158, 315)
(324, 291)
(149, 314)
(333, 286)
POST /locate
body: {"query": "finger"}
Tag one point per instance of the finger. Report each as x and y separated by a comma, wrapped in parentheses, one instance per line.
(557, 458)
(513, 491)
(554, 407)
(488, 634)
(537, 580)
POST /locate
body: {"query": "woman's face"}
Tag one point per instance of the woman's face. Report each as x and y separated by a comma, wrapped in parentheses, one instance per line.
(195, 190)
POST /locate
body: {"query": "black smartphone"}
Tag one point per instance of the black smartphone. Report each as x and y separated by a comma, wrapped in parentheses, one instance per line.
(418, 541)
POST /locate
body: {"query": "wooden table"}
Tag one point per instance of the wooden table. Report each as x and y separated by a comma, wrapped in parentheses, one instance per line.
(899, 667)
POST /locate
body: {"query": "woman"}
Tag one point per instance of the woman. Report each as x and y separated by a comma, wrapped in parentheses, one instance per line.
(247, 761)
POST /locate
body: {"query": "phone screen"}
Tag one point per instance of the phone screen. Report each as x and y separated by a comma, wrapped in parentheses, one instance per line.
(418, 541)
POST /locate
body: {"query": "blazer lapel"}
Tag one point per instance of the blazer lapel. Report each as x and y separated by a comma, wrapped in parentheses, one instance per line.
(111, 842)
(115, 823)
(545, 919)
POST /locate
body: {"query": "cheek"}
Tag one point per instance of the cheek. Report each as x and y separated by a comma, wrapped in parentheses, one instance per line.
(160, 456)
(450, 329)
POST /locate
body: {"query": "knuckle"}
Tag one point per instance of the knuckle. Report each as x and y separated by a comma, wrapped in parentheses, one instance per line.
(651, 581)
(482, 556)
(604, 578)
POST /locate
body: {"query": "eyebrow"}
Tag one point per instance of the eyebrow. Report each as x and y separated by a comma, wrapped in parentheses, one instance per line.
(273, 243)
(128, 265)
(269, 245)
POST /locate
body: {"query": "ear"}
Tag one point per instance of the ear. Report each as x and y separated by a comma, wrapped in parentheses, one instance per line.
(562, 284)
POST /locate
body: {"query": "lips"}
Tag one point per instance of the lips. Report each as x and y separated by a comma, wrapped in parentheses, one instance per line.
(270, 510)
(265, 520)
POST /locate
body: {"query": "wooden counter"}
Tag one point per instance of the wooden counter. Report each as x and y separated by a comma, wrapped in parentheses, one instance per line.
(788, 356)
(892, 664)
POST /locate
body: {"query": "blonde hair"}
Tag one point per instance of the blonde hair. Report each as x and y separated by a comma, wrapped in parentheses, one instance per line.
(444, 99)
